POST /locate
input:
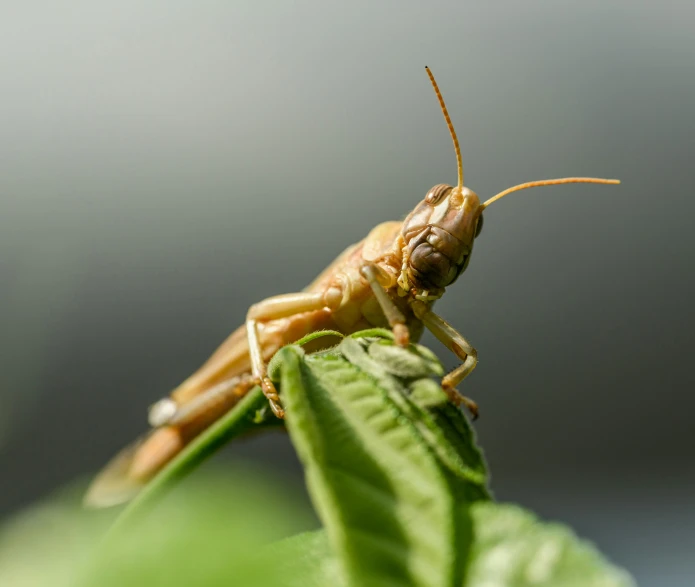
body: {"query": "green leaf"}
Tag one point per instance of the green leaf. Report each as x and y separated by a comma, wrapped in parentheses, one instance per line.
(306, 560)
(511, 547)
(391, 490)
(443, 428)
(210, 532)
(400, 484)
(412, 363)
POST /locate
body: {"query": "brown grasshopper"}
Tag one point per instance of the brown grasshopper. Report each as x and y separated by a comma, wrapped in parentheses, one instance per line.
(391, 278)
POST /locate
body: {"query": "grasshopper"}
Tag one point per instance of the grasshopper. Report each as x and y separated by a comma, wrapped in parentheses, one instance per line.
(390, 279)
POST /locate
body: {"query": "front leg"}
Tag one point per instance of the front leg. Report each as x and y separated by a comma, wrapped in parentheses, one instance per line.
(457, 344)
(394, 316)
(275, 308)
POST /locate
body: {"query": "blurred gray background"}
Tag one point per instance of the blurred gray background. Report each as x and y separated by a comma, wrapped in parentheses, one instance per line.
(163, 165)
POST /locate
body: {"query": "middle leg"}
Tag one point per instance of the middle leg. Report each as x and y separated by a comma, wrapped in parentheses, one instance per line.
(394, 316)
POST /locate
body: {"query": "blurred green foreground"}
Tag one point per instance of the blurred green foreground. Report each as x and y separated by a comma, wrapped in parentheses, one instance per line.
(393, 472)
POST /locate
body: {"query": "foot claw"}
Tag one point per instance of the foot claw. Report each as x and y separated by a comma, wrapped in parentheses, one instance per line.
(457, 399)
(278, 410)
(273, 398)
(472, 408)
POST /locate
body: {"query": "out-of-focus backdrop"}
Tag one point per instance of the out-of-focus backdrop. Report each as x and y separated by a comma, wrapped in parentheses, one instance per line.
(164, 165)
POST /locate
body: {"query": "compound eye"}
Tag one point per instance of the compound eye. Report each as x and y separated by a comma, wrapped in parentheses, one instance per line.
(438, 193)
(479, 226)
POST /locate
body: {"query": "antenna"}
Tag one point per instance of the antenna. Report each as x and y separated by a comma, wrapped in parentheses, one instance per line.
(542, 182)
(451, 128)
